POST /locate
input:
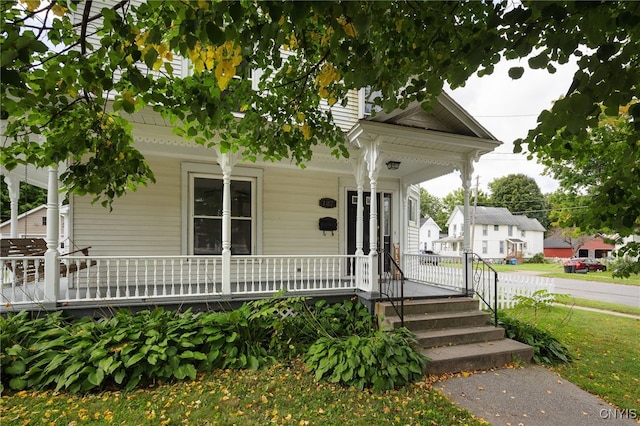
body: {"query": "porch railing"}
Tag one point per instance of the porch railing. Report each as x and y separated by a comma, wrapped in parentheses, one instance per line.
(392, 284)
(154, 278)
(484, 283)
(448, 272)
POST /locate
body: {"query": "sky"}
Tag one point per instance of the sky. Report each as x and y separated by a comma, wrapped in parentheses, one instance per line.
(508, 109)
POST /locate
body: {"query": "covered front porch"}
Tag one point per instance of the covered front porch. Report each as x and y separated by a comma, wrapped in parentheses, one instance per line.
(124, 281)
(169, 243)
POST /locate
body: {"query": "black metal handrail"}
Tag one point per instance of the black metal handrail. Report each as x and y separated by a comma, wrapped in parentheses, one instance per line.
(484, 283)
(392, 284)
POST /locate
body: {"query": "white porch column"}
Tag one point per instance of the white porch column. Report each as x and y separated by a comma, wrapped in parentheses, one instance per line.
(226, 162)
(359, 171)
(359, 168)
(13, 184)
(466, 173)
(373, 158)
(51, 261)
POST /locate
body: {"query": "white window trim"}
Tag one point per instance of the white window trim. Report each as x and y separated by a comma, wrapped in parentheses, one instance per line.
(215, 171)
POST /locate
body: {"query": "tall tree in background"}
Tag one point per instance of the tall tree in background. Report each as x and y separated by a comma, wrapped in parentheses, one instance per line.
(432, 206)
(521, 195)
(406, 51)
(600, 181)
(456, 198)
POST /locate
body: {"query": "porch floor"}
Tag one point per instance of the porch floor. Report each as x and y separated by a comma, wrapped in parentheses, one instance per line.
(416, 290)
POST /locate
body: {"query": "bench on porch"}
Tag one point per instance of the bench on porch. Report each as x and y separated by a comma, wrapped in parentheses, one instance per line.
(27, 270)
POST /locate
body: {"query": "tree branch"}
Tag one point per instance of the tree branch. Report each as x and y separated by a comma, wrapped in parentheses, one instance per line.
(83, 28)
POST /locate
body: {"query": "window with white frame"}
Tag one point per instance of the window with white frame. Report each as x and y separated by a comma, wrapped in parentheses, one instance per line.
(485, 230)
(413, 211)
(205, 218)
(501, 248)
(523, 233)
(510, 230)
(485, 247)
(496, 227)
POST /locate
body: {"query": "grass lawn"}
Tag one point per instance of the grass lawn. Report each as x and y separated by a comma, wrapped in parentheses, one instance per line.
(280, 395)
(625, 309)
(556, 270)
(605, 348)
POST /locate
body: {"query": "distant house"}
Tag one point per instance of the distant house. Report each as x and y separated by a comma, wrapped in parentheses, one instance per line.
(496, 234)
(594, 247)
(33, 224)
(557, 247)
(429, 233)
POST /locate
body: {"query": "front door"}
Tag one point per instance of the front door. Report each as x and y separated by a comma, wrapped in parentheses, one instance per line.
(384, 222)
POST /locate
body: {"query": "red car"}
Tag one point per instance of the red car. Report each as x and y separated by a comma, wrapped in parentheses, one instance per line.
(594, 265)
(583, 265)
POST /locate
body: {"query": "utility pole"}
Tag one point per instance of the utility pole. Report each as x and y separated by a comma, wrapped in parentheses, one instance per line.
(473, 219)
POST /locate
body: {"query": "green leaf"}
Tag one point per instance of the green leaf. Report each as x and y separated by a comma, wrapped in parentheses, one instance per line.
(516, 72)
(17, 383)
(96, 377)
(134, 359)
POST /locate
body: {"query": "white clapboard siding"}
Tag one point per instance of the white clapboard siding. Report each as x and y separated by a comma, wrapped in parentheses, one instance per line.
(144, 222)
(292, 210)
(345, 116)
(413, 237)
(94, 39)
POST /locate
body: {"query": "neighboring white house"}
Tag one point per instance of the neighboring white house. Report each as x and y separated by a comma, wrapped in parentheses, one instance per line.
(496, 234)
(429, 233)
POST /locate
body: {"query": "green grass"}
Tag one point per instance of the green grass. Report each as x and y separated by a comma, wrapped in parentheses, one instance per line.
(556, 270)
(283, 394)
(614, 307)
(605, 349)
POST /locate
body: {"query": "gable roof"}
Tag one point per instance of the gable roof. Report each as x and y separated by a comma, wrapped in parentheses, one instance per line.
(34, 210)
(500, 216)
(429, 219)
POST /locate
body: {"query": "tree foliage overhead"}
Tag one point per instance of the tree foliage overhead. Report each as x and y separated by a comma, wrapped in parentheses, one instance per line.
(600, 181)
(521, 195)
(64, 61)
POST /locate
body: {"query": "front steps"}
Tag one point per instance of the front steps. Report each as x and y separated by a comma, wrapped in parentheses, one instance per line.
(455, 335)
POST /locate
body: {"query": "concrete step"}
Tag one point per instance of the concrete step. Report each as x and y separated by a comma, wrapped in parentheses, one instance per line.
(421, 306)
(434, 321)
(476, 356)
(458, 336)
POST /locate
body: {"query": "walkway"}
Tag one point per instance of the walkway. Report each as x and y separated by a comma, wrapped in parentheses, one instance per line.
(531, 396)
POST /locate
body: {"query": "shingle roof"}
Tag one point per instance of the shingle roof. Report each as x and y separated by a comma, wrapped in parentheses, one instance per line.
(502, 216)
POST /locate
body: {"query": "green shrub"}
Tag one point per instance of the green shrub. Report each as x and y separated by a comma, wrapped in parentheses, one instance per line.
(130, 350)
(546, 348)
(381, 359)
(537, 258)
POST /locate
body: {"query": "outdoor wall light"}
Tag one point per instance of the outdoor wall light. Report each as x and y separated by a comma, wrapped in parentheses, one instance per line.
(393, 165)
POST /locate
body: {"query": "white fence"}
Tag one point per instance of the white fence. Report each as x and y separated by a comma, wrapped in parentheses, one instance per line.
(102, 279)
(511, 285)
(448, 271)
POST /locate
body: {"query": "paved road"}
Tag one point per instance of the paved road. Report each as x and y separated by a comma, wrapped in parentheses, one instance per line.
(603, 292)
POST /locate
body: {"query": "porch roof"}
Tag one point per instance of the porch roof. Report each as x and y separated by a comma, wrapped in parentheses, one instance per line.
(428, 145)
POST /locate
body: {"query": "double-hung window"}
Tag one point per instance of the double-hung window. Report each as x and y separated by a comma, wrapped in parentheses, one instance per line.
(206, 220)
(202, 209)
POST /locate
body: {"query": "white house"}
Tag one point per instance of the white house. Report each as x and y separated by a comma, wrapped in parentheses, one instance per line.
(429, 233)
(213, 226)
(496, 234)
